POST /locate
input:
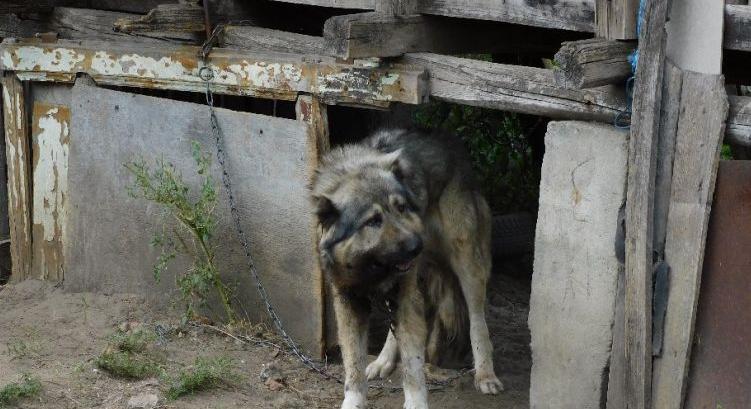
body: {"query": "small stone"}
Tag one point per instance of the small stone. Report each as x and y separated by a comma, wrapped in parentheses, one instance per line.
(143, 401)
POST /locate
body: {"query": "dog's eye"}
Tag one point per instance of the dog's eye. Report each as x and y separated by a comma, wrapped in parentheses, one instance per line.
(374, 221)
(401, 207)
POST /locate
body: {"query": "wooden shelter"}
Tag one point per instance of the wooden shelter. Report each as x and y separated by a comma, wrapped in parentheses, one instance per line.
(372, 54)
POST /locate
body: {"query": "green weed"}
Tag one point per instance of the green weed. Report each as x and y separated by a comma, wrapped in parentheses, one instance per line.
(28, 387)
(194, 212)
(206, 374)
(127, 365)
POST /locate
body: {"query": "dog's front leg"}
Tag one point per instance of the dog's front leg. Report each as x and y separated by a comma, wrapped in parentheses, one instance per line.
(411, 334)
(352, 327)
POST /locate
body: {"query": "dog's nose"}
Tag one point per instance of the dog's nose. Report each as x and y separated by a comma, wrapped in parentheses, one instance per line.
(412, 246)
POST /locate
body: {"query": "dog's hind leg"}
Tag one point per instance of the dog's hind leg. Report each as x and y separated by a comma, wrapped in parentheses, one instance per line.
(468, 235)
(411, 334)
(386, 361)
(352, 328)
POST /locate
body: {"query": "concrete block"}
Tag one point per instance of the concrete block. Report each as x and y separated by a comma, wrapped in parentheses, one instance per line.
(575, 269)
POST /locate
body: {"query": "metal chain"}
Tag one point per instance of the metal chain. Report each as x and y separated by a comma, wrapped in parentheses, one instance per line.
(206, 74)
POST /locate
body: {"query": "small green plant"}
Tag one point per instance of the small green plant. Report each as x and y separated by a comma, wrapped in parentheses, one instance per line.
(204, 375)
(28, 387)
(194, 213)
(127, 365)
(125, 355)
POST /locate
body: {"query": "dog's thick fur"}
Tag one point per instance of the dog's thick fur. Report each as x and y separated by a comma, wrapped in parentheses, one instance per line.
(402, 221)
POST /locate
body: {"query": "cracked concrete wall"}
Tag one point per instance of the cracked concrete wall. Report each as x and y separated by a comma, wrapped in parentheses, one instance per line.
(575, 269)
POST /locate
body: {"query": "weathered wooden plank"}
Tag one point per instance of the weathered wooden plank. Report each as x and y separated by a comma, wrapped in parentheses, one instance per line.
(181, 17)
(342, 4)
(616, 19)
(592, 63)
(699, 139)
(89, 24)
(671, 102)
(46, 6)
(738, 130)
(640, 204)
(18, 159)
(4, 225)
(313, 113)
(396, 7)
(50, 146)
(12, 26)
(514, 88)
(268, 40)
(275, 75)
(379, 34)
(737, 27)
(563, 14)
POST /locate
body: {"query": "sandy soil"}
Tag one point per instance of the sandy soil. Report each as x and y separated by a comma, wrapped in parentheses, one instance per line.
(56, 336)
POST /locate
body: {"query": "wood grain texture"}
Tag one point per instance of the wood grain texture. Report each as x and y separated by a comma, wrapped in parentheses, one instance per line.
(671, 102)
(616, 19)
(89, 24)
(563, 14)
(738, 130)
(4, 223)
(703, 110)
(181, 17)
(592, 63)
(379, 34)
(50, 135)
(640, 205)
(269, 40)
(514, 88)
(737, 27)
(343, 4)
(18, 156)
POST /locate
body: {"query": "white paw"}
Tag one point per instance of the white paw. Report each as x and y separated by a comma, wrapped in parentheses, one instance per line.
(353, 401)
(415, 404)
(488, 384)
(380, 368)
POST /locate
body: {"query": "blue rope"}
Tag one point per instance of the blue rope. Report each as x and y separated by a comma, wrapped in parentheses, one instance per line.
(623, 119)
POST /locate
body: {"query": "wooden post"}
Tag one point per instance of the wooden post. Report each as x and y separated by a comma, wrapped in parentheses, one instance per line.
(313, 112)
(4, 226)
(18, 156)
(616, 19)
(640, 205)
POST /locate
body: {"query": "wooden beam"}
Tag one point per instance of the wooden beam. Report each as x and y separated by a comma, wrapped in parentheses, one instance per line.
(88, 24)
(267, 40)
(514, 88)
(699, 138)
(271, 75)
(4, 222)
(396, 7)
(640, 204)
(738, 130)
(616, 19)
(313, 112)
(385, 35)
(181, 17)
(737, 27)
(342, 4)
(563, 14)
(18, 156)
(592, 63)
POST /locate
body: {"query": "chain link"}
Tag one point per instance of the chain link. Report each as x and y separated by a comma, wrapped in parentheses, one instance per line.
(206, 74)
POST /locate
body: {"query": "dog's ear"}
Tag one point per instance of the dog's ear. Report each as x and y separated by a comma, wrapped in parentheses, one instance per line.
(325, 210)
(395, 163)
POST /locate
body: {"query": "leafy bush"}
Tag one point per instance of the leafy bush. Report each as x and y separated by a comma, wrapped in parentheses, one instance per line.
(500, 152)
(206, 374)
(28, 388)
(194, 213)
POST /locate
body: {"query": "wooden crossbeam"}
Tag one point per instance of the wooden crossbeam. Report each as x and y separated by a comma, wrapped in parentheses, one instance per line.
(592, 63)
(272, 75)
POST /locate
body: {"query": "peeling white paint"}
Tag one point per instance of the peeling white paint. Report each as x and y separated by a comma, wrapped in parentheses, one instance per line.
(30, 58)
(140, 66)
(51, 174)
(390, 79)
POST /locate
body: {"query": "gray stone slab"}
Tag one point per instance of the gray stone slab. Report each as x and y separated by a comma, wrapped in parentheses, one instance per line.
(108, 233)
(575, 269)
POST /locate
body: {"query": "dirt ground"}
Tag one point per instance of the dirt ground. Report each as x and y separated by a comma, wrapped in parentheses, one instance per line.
(56, 336)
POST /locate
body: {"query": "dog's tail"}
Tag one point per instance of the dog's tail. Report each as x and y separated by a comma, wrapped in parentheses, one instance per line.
(447, 318)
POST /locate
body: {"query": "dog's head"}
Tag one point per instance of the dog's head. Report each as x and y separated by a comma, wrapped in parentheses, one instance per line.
(371, 225)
